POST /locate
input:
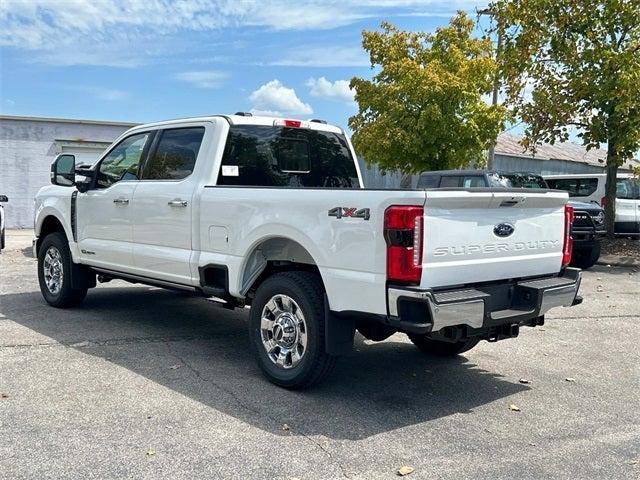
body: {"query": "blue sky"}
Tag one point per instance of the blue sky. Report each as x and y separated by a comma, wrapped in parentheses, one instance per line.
(158, 59)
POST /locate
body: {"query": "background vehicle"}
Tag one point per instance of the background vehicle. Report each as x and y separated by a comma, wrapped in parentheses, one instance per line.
(271, 213)
(3, 199)
(588, 225)
(591, 188)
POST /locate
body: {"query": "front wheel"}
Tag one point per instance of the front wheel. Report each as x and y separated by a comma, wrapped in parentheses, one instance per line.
(586, 258)
(441, 348)
(54, 273)
(287, 330)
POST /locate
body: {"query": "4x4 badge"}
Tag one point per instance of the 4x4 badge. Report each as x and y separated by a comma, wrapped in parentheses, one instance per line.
(350, 212)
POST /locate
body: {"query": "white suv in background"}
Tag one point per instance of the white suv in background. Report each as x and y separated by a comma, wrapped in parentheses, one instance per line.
(590, 187)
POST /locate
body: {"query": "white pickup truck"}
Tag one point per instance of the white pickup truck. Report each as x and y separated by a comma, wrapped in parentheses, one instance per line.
(271, 213)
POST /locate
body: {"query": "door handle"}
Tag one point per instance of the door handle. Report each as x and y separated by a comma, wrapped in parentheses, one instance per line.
(178, 203)
(121, 201)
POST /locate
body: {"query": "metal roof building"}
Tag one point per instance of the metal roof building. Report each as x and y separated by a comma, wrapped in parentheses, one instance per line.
(548, 159)
(511, 156)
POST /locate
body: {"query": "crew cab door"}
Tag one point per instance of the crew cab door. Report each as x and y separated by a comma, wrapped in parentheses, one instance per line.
(103, 218)
(163, 206)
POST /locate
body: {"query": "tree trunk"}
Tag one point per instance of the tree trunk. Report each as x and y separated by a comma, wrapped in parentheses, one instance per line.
(610, 189)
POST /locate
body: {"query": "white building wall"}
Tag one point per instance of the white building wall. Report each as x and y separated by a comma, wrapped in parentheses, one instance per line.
(27, 148)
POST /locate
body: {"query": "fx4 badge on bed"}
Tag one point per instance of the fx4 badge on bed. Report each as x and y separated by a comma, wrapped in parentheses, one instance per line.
(340, 212)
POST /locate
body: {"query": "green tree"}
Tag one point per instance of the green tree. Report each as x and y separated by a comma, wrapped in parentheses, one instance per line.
(424, 107)
(574, 64)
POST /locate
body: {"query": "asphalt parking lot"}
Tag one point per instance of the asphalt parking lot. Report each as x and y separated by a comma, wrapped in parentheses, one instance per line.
(143, 383)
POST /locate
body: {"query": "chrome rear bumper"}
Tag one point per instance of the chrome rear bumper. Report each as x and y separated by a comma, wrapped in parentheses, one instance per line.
(424, 311)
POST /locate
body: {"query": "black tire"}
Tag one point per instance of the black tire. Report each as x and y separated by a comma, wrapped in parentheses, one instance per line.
(586, 258)
(2, 241)
(65, 296)
(306, 290)
(442, 349)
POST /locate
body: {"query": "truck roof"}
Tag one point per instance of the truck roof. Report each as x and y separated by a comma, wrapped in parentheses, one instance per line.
(245, 120)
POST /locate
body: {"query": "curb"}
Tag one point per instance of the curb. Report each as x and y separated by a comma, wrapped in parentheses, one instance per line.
(617, 261)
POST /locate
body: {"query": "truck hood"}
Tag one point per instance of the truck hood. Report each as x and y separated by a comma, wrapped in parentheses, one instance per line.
(589, 207)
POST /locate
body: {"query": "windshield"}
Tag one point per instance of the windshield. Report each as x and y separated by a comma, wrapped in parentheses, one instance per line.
(525, 180)
(628, 188)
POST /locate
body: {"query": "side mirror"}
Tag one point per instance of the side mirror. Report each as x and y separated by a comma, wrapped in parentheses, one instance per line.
(4, 199)
(84, 178)
(63, 170)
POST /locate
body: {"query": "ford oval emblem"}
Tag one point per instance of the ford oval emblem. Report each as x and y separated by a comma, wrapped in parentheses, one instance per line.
(503, 230)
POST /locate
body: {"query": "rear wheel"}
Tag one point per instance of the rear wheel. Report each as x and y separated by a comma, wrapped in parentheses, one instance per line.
(54, 273)
(441, 348)
(287, 330)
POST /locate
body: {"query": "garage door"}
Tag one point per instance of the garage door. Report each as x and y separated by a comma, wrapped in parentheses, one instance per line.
(86, 155)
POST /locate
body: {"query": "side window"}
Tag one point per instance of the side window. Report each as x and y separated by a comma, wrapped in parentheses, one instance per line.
(473, 181)
(450, 181)
(175, 156)
(428, 181)
(567, 184)
(122, 162)
(586, 187)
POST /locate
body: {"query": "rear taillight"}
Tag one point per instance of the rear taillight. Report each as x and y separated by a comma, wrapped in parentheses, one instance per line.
(403, 234)
(602, 201)
(568, 239)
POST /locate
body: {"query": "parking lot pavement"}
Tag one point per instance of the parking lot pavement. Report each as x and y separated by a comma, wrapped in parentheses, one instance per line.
(143, 383)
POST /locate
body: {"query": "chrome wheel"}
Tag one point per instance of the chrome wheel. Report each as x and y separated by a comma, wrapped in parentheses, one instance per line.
(53, 270)
(284, 331)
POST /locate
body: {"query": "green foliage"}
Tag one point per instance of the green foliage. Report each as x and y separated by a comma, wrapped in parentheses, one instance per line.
(580, 61)
(424, 108)
(574, 63)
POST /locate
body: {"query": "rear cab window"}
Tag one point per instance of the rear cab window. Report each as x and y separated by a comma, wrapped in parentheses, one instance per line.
(273, 156)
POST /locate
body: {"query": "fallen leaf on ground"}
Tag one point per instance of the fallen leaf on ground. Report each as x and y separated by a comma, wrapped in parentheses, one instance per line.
(569, 379)
(403, 471)
(80, 344)
(4, 395)
(151, 452)
(524, 380)
(514, 408)
(286, 427)
(175, 367)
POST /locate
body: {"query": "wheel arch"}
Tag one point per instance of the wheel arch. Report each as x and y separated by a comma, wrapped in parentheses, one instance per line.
(50, 223)
(273, 254)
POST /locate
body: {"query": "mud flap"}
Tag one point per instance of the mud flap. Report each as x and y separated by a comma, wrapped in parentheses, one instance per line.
(338, 332)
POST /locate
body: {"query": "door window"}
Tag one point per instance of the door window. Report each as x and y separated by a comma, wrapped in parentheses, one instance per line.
(450, 181)
(628, 189)
(473, 181)
(122, 162)
(175, 156)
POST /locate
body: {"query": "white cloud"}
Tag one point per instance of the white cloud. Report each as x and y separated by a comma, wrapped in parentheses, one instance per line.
(324, 56)
(338, 90)
(203, 79)
(127, 33)
(274, 99)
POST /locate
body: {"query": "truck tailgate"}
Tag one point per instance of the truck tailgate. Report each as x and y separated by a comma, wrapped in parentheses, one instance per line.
(484, 235)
